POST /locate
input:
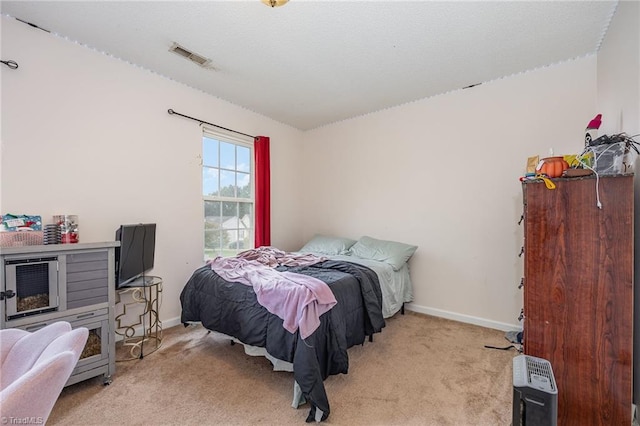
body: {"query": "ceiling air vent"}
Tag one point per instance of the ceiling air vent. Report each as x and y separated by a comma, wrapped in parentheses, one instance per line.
(193, 57)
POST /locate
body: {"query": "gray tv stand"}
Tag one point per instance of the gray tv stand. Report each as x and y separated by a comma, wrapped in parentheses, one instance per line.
(73, 283)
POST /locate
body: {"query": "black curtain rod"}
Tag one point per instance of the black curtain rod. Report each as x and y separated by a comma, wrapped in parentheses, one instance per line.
(172, 112)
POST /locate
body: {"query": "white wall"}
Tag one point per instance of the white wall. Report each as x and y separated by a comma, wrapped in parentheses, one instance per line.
(619, 72)
(84, 133)
(619, 103)
(87, 134)
(442, 173)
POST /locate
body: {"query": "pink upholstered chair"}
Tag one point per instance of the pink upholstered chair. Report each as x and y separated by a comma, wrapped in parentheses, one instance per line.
(34, 368)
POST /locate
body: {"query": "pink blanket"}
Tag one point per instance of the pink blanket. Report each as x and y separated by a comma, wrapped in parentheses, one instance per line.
(297, 299)
(273, 257)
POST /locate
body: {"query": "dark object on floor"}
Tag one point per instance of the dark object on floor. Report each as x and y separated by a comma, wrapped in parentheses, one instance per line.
(514, 336)
(535, 394)
(518, 348)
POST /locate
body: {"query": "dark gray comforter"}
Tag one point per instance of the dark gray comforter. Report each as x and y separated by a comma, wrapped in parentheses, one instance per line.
(232, 309)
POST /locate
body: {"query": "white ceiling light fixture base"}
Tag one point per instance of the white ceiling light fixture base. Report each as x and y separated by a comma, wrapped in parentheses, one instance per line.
(274, 3)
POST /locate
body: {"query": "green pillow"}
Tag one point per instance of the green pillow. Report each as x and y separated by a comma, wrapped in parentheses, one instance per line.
(391, 252)
(323, 244)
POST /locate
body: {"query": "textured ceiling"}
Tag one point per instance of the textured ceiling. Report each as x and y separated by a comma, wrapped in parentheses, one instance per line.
(310, 63)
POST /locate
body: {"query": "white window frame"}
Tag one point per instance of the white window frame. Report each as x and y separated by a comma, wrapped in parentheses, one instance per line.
(238, 140)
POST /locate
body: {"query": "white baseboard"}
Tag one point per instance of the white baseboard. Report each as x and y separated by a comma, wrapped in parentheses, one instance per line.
(463, 318)
(171, 322)
(482, 322)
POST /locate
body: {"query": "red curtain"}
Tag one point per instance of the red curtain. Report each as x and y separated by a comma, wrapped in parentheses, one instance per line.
(263, 193)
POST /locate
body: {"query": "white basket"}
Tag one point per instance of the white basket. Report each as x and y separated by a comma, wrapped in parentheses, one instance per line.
(21, 238)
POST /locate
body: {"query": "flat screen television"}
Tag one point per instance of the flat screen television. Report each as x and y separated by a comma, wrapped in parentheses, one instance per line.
(136, 253)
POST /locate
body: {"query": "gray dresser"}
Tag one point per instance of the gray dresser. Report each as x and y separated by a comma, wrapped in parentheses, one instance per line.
(43, 284)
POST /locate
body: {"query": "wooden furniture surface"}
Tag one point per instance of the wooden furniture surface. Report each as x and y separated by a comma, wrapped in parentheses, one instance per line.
(578, 294)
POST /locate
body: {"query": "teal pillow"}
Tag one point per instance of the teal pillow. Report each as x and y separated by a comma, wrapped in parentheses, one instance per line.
(323, 244)
(391, 252)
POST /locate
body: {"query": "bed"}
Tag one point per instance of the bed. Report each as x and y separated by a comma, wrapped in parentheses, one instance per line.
(396, 286)
(389, 260)
(233, 310)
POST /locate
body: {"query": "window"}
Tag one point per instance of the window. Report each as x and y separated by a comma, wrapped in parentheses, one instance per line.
(228, 194)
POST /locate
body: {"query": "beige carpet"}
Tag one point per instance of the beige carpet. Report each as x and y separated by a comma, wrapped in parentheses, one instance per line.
(420, 370)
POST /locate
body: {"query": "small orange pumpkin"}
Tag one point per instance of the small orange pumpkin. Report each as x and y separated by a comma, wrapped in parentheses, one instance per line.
(553, 166)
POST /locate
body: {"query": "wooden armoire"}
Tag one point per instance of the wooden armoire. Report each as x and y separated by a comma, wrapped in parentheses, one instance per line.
(578, 293)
